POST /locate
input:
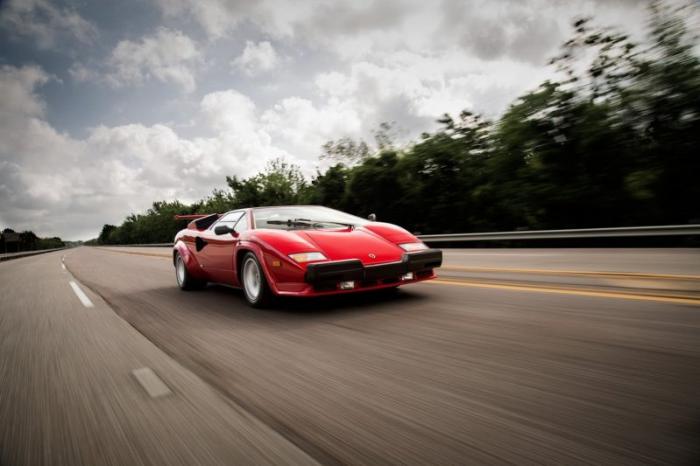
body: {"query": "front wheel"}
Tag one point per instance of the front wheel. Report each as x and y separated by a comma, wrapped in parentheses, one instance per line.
(255, 287)
(184, 279)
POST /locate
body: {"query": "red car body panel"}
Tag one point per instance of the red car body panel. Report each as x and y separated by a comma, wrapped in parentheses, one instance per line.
(218, 257)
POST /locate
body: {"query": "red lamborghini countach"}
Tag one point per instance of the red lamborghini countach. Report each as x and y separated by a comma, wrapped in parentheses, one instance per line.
(301, 250)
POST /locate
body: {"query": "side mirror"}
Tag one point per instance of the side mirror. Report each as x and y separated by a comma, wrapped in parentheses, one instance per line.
(222, 230)
(372, 217)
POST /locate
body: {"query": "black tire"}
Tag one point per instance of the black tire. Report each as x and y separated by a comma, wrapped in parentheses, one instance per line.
(184, 280)
(259, 295)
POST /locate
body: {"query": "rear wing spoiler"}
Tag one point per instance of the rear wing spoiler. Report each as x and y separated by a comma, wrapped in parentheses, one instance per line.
(199, 221)
(192, 216)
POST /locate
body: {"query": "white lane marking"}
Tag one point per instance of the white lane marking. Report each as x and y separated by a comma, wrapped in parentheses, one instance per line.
(150, 382)
(63, 266)
(81, 295)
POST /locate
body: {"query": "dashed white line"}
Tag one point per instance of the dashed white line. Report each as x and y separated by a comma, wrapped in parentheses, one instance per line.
(63, 266)
(150, 382)
(81, 295)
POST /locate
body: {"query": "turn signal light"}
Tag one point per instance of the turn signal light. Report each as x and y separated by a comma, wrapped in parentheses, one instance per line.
(408, 247)
(308, 257)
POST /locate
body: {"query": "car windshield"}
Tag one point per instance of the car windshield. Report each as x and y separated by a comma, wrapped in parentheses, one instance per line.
(303, 217)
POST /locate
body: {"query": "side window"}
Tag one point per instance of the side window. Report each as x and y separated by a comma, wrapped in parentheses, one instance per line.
(242, 224)
(229, 219)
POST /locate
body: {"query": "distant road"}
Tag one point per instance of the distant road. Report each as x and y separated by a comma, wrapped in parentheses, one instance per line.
(523, 356)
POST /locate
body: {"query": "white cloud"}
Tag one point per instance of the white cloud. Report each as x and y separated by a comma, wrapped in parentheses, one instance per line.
(82, 73)
(239, 134)
(229, 111)
(218, 18)
(256, 58)
(357, 30)
(301, 127)
(357, 64)
(414, 90)
(409, 56)
(59, 185)
(168, 56)
(44, 23)
(18, 96)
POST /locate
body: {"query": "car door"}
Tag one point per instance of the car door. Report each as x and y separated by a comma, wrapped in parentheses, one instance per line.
(241, 226)
(216, 251)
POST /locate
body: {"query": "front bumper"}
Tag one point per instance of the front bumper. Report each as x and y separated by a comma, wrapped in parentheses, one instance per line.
(328, 274)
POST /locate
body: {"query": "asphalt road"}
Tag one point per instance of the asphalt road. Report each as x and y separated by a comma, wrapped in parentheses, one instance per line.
(68, 395)
(529, 356)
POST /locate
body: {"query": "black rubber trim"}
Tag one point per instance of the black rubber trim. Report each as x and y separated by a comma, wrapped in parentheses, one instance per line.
(352, 269)
(199, 243)
(334, 271)
(427, 259)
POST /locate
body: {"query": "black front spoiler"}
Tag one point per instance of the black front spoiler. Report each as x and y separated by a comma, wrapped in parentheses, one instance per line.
(354, 270)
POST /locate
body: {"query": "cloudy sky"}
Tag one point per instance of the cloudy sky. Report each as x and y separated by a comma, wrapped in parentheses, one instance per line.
(107, 106)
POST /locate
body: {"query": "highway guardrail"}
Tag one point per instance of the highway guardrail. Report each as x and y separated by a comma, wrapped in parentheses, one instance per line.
(664, 230)
(646, 231)
(17, 255)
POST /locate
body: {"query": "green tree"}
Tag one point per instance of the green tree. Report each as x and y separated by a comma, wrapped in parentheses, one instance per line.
(328, 188)
(611, 142)
(374, 187)
(106, 233)
(280, 183)
(218, 202)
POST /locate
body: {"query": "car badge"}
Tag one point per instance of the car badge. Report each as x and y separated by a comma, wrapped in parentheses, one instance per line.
(372, 256)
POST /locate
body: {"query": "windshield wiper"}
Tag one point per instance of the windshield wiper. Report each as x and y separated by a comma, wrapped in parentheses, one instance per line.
(321, 222)
(290, 222)
(307, 222)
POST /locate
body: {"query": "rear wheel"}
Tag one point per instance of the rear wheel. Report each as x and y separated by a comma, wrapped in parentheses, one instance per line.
(184, 279)
(255, 287)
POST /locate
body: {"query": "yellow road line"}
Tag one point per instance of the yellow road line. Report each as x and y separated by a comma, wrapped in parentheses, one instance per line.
(532, 288)
(460, 268)
(501, 270)
(570, 291)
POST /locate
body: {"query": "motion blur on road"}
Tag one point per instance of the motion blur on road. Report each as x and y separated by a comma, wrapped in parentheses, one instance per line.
(468, 123)
(557, 356)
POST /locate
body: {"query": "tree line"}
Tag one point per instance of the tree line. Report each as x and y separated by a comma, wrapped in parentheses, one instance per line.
(611, 142)
(12, 241)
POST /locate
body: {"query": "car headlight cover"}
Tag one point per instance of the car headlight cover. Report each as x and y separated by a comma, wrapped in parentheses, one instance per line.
(413, 246)
(302, 257)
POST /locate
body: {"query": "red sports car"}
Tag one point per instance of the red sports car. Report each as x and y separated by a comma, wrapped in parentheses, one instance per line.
(300, 250)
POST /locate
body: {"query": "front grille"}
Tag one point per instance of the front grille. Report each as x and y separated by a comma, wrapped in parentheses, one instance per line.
(327, 274)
